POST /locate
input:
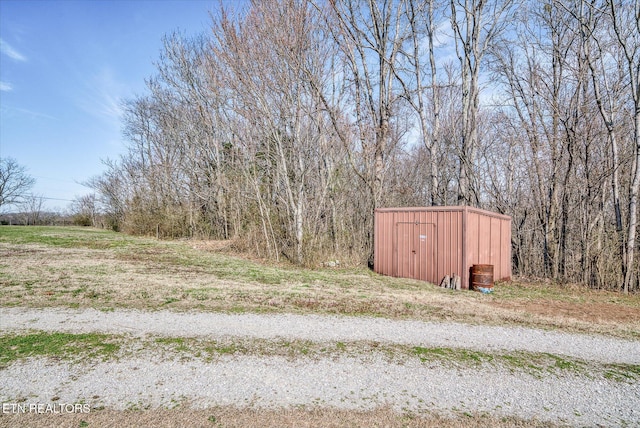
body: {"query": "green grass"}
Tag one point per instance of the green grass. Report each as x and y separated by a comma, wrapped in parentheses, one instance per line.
(176, 343)
(56, 345)
(622, 372)
(465, 357)
(66, 237)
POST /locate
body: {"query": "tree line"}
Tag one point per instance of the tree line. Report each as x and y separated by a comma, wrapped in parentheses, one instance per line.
(288, 123)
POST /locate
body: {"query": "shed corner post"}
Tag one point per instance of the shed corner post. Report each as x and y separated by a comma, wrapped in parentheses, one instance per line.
(510, 247)
(376, 252)
(465, 258)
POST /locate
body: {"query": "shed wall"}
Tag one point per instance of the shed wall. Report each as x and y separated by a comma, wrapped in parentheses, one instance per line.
(429, 243)
(488, 242)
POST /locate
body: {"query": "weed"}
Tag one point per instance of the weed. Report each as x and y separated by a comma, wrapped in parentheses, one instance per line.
(457, 356)
(171, 340)
(622, 372)
(564, 364)
(93, 295)
(228, 349)
(177, 344)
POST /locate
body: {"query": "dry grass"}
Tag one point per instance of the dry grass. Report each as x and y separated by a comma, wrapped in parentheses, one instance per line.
(258, 418)
(76, 267)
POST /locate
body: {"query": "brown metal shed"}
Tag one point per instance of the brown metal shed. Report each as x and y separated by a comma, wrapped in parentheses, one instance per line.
(432, 242)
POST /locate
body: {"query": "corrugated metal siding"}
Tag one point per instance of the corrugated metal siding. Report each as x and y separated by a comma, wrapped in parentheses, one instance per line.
(489, 242)
(449, 244)
(429, 243)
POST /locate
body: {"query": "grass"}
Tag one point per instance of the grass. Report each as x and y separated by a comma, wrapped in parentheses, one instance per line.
(84, 267)
(532, 363)
(66, 237)
(463, 357)
(56, 345)
(80, 347)
(622, 372)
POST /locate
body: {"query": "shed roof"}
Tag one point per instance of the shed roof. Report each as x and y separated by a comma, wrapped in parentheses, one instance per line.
(446, 208)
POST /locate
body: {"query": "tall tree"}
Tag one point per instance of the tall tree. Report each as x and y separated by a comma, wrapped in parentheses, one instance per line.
(476, 25)
(422, 90)
(606, 90)
(370, 36)
(625, 20)
(276, 63)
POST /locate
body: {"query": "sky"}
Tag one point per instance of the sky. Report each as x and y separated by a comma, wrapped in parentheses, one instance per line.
(65, 67)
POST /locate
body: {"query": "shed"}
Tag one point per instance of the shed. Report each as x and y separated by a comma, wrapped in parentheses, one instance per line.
(428, 243)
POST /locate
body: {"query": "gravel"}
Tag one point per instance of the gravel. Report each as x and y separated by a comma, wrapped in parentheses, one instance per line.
(319, 328)
(346, 381)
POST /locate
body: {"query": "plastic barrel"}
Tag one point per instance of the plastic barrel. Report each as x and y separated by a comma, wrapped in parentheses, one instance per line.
(481, 276)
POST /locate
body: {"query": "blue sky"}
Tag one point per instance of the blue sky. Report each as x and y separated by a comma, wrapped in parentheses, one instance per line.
(65, 66)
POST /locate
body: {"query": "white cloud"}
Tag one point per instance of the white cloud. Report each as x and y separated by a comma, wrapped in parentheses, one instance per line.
(9, 51)
(102, 96)
(16, 111)
(109, 94)
(6, 87)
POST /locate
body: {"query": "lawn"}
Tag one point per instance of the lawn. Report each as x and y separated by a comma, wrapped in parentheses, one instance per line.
(83, 267)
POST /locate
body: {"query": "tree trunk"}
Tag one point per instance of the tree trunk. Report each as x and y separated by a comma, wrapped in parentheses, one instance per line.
(633, 204)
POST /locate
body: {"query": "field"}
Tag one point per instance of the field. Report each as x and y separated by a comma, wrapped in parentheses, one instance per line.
(44, 267)
(76, 267)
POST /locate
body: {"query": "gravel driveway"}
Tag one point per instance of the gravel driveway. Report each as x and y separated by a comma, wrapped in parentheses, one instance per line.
(354, 381)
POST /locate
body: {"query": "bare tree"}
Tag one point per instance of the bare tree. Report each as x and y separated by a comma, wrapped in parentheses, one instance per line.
(370, 35)
(476, 25)
(538, 76)
(85, 210)
(31, 207)
(625, 20)
(113, 192)
(275, 67)
(424, 95)
(14, 182)
(607, 91)
(188, 70)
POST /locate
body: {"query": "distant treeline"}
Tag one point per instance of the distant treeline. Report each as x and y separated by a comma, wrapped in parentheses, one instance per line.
(38, 219)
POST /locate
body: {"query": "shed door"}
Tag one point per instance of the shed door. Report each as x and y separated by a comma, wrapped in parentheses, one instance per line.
(414, 250)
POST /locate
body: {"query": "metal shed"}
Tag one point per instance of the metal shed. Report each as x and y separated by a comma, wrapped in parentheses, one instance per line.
(432, 242)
